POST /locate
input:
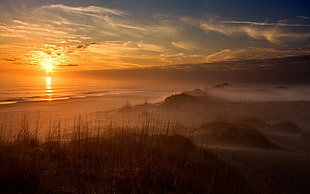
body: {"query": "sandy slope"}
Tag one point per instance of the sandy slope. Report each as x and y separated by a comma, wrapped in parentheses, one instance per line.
(284, 170)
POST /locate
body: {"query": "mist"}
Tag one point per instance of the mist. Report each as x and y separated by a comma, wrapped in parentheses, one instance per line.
(260, 93)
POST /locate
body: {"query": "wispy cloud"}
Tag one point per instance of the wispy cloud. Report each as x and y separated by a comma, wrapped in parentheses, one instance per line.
(150, 47)
(69, 65)
(60, 23)
(85, 17)
(181, 58)
(187, 45)
(270, 32)
(253, 53)
(277, 33)
(303, 17)
(89, 11)
(265, 24)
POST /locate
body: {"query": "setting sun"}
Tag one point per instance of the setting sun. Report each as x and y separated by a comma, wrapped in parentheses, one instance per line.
(48, 66)
(48, 58)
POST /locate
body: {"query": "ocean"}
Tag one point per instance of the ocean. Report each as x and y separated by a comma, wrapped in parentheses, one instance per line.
(16, 89)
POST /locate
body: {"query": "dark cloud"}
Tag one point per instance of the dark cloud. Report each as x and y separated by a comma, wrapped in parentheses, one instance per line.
(68, 65)
(10, 59)
(288, 70)
(84, 46)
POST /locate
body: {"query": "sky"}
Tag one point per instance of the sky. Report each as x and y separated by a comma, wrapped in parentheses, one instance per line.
(71, 35)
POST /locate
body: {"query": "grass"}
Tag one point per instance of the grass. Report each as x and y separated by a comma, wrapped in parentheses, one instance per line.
(102, 157)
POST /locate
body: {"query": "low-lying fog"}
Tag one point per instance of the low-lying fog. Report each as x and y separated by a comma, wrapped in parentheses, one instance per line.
(260, 93)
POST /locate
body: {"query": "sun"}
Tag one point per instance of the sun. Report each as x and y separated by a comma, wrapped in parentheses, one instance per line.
(47, 63)
(49, 58)
(48, 66)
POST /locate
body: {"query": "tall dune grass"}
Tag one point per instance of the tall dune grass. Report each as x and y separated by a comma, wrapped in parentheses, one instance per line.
(101, 156)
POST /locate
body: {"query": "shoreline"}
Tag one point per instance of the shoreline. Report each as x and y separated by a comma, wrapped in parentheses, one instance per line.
(66, 111)
(134, 97)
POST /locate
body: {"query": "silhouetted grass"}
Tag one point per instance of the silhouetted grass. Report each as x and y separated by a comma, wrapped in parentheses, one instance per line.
(105, 158)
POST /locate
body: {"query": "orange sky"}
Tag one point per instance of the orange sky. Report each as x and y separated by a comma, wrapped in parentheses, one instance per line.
(48, 36)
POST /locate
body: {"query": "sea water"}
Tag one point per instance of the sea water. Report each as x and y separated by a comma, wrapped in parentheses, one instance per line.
(16, 89)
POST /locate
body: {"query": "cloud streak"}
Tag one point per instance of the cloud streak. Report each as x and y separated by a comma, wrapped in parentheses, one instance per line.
(253, 53)
(186, 45)
(265, 24)
(89, 11)
(271, 32)
(276, 33)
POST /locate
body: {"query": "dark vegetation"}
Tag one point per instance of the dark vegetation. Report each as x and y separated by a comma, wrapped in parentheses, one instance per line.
(108, 159)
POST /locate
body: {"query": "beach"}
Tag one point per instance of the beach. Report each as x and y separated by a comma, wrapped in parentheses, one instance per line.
(66, 110)
(265, 141)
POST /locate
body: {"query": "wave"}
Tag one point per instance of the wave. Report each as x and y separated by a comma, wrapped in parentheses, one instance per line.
(54, 96)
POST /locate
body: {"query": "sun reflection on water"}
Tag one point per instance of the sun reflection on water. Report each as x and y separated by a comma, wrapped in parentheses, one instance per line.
(48, 89)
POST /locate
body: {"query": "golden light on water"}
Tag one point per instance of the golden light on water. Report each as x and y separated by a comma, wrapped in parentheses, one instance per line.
(48, 88)
(48, 83)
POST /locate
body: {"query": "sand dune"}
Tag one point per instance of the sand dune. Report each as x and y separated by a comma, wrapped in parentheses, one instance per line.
(233, 133)
(288, 127)
(267, 141)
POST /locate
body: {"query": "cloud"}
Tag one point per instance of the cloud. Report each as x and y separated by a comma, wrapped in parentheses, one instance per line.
(186, 45)
(99, 23)
(61, 24)
(303, 17)
(116, 54)
(85, 17)
(10, 59)
(88, 11)
(90, 16)
(150, 47)
(84, 46)
(276, 33)
(254, 53)
(265, 24)
(85, 37)
(20, 22)
(68, 65)
(33, 31)
(181, 58)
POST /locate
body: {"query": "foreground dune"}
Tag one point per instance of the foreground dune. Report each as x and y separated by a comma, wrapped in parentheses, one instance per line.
(266, 143)
(264, 140)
